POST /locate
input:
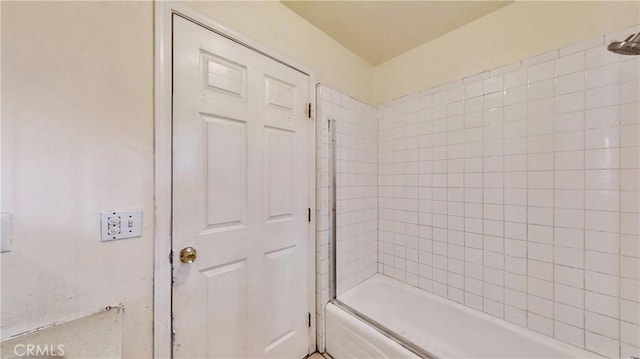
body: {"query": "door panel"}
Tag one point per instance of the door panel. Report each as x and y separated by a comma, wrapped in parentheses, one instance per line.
(225, 181)
(241, 170)
(226, 288)
(279, 173)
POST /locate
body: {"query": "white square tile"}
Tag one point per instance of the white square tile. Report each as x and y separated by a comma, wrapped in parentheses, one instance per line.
(570, 121)
(493, 100)
(493, 84)
(602, 241)
(515, 163)
(629, 267)
(602, 179)
(515, 213)
(602, 283)
(569, 179)
(493, 132)
(542, 89)
(602, 138)
(574, 102)
(602, 325)
(515, 129)
(602, 345)
(601, 304)
(540, 216)
(573, 82)
(569, 276)
(570, 63)
(515, 146)
(540, 143)
(630, 136)
(515, 112)
(570, 257)
(493, 307)
(629, 311)
(540, 324)
(540, 162)
(602, 76)
(515, 95)
(602, 200)
(515, 248)
(605, 263)
(569, 141)
(455, 108)
(541, 108)
(629, 157)
(630, 180)
(539, 270)
(516, 78)
(540, 306)
(569, 218)
(629, 334)
(515, 315)
(630, 245)
(630, 69)
(602, 117)
(541, 71)
(602, 159)
(606, 221)
(473, 89)
(602, 96)
(540, 252)
(493, 164)
(569, 314)
(540, 197)
(630, 113)
(569, 296)
(542, 179)
(571, 160)
(569, 237)
(473, 105)
(515, 265)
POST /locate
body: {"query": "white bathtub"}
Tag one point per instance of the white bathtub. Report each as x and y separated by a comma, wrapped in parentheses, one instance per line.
(443, 328)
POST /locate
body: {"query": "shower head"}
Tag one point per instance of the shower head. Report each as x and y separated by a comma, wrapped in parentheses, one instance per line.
(630, 46)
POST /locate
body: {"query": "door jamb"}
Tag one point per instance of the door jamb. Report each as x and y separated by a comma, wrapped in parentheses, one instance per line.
(162, 279)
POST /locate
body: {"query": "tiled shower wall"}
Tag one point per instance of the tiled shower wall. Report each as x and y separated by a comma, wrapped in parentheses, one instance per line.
(356, 193)
(516, 192)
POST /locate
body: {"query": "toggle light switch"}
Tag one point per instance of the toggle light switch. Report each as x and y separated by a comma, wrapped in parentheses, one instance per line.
(121, 224)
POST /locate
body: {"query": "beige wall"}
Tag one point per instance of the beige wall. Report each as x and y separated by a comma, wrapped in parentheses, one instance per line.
(511, 33)
(279, 28)
(77, 138)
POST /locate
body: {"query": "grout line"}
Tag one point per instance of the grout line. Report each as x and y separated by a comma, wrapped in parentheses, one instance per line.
(584, 200)
(619, 218)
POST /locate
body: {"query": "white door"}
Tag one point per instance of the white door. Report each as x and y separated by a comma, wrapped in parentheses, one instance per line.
(241, 169)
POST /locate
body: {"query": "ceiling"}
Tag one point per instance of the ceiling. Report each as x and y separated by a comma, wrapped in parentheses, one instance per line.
(381, 30)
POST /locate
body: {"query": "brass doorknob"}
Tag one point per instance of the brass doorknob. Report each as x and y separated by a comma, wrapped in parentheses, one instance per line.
(188, 255)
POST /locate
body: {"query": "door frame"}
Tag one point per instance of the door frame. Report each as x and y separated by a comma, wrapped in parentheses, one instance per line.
(162, 278)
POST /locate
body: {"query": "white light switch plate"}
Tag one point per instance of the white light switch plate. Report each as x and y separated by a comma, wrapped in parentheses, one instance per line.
(121, 224)
(5, 232)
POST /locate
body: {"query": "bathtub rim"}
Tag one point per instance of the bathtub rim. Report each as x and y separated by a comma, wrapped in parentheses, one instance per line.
(571, 350)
